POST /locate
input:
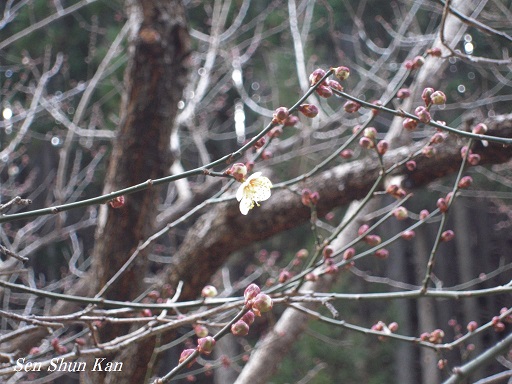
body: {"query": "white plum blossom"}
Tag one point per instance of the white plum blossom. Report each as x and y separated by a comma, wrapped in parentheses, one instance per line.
(253, 190)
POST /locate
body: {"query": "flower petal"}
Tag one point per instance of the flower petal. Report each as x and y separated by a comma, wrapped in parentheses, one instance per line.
(240, 191)
(245, 206)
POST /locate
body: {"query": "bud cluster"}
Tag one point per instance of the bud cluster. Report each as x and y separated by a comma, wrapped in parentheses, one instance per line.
(434, 337)
(309, 198)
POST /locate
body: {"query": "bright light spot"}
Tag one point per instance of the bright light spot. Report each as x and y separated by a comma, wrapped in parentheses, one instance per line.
(239, 117)
(468, 38)
(181, 104)
(13, 170)
(255, 86)
(471, 75)
(469, 47)
(55, 141)
(7, 113)
(461, 88)
(8, 73)
(201, 71)
(236, 75)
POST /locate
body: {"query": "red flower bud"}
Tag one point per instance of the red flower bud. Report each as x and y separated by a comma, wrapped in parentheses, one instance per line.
(342, 73)
(382, 147)
(436, 52)
(308, 110)
(240, 328)
(185, 354)
(117, 202)
(316, 75)
(423, 114)
(251, 292)
(447, 235)
(372, 240)
(335, 85)
(291, 121)
(403, 93)
(381, 253)
(408, 235)
(363, 229)
(205, 345)
(425, 95)
(262, 303)
(280, 115)
(442, 204)
(351, 106)
(438, 98)
(472, 326)
(248, 317)
(465, 182)
(284, 276)
(410, 165)
(428, 151)
(474, 159)
(349, 253)
(480, 129)
(324, 91)
(365, 142)
(327, 252)
(346, 154)
(400, 213)
(410, 124)
(238, 171)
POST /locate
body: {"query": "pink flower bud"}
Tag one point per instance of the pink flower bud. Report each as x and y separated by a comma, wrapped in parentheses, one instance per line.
(316, 75)
(185, 354)
(472, 326)
(346, 154)
(342, 73)
(332, 269)
(409, 65)
(284, 276)
(423, 114)
(424, 214)
(205, 345)
(291, 121)
(438, 98)
(280, 115)
(302, 253)
(260, 143)
(278, 131)
(442, 204)
(262, 303)
(240, 328)
(238, 171)
(335, 85)
(435, 52)
(146, 313)
(425, 95)
(327, 252)
(428, 151)
(418, 61)
(400, 213)
(365, 142)
(311, 277)
(308, 110)
(314, 197)
(441, 364)
(474, 159)
(377, 103)
(403, 93)
(200, 330)
(351, 106)
(363, 229)
(209, 291)
(410, 165)
(480, 129)
(349, 253)
(251, 292)
(381, 254)
(410, 124)
(465, 182)
(408, 235)
(447, 235)
(382, 147)
(266, 154)
(372, 240)
(437, 138)
(117, 202)
(464, 150)
(324, 91)
(248, 317)
(393, 327)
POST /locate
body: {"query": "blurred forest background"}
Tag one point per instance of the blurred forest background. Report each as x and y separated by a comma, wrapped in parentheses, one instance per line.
(97, 96)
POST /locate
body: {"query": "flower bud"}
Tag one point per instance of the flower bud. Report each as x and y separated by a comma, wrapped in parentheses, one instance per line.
(185, 354)
(409, 65)
(278, 131)
(410, 165)
(465, 182)
(316, 75)
(346, 154)
(382, 147)
(266, 154)
(365, 142)
(472, 326)
(335, 85)
(370, 133)
(393, 327)
(381, 253)
(284, 276)
(372, 240)
(418, 62)
(308, 110)
(410, 124)
(342, 73)
(240, 328)
(302, 253)
(251, 292)
(248, 317)
(260, 143)
(324, 91)
(205, 345)
(209, 291)
(423, 114)
(238, 171)
(327, 252)
(349, 253)
(200, 330)
(447, 235)
(464, 151)
(403, 93)
(424, 214)
(262, 303)
(441, 364)
(435, 52)
(400, 213)
(480, 129)
(438, 98)
(428, 151)
(363, 229)
(351, 106)
(331, 269)
(117, 202)
(442, 204)
(408, 235)
(280, 115)
(291, 121)
(314, 197)
(311, 277)
(425, 95)
(437, 138)
(146, 313)
(474, 159)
